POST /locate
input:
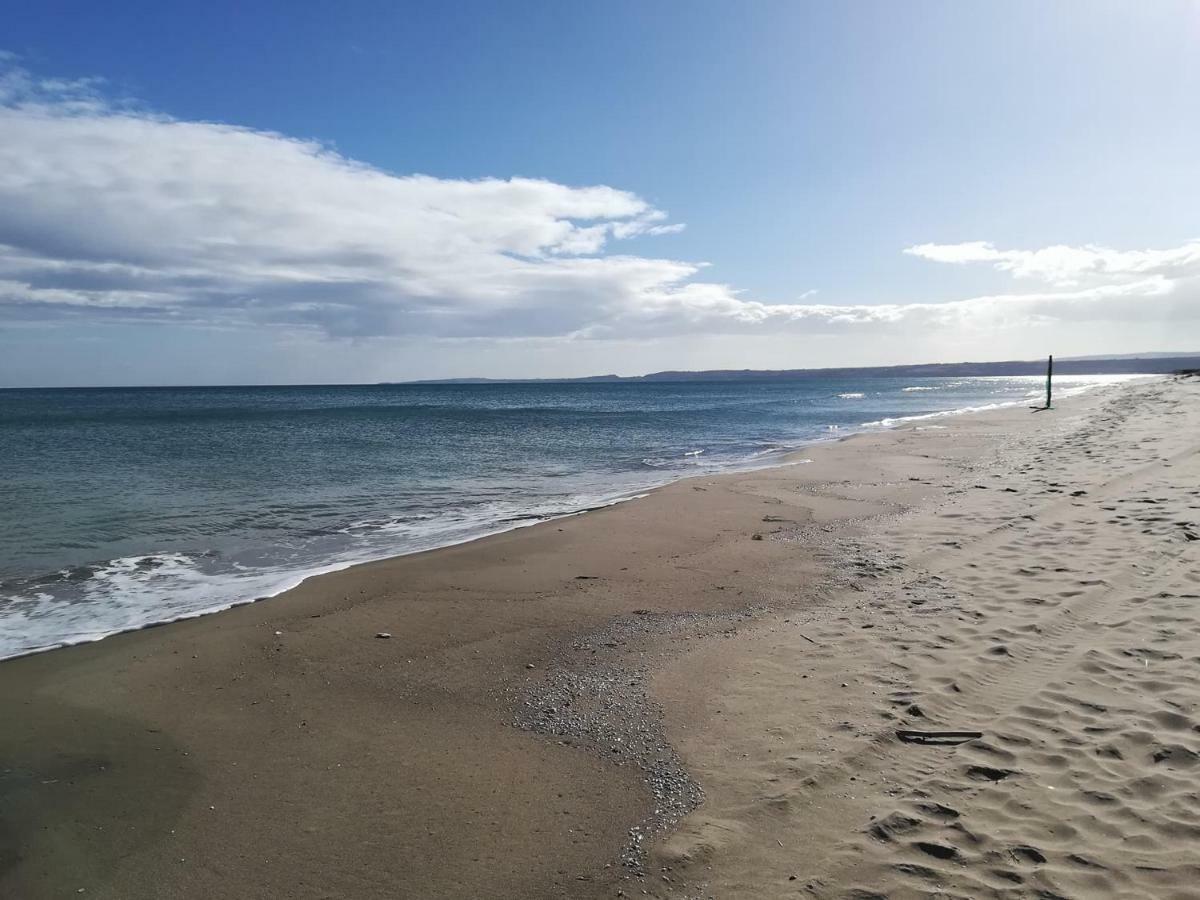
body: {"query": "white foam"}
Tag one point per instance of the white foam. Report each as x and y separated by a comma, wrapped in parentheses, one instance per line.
(136, 592)
(852, 396)
(1070, 386)
(131, 593)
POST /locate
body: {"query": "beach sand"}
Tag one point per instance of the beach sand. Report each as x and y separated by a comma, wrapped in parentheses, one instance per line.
(693, 694)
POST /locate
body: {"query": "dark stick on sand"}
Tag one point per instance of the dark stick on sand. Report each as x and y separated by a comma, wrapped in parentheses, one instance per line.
(1049, 384)
(937, 737)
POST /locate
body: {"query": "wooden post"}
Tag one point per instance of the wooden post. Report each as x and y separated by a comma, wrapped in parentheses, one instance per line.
(1049, 386)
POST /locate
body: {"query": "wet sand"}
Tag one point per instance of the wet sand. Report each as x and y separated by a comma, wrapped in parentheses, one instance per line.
(554, 702)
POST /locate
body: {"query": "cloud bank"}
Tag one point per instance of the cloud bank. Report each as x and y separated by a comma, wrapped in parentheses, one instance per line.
(1070, 266)
(109, 212)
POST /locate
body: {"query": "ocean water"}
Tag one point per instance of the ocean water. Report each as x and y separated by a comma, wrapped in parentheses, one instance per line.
(124, 507)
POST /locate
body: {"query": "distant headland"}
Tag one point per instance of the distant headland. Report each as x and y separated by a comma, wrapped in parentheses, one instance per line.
(1128, 364)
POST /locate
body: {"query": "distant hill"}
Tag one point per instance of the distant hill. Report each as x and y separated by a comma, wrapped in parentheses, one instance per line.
(1174, 354)
(1146, 364)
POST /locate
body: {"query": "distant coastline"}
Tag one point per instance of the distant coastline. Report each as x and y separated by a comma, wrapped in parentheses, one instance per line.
(1148, 364)
(1117, 364)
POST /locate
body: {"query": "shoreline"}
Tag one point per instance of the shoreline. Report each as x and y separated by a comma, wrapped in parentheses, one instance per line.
(783, 456)
(284, 750)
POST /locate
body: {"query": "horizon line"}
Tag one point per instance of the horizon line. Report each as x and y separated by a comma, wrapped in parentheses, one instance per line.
(1157, 356)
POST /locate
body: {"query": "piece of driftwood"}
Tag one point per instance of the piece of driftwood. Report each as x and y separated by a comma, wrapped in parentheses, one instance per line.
(938, 737)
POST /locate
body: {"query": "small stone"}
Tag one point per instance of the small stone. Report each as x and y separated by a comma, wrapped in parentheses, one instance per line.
(756, 537)
(382, 634)
(530, 666)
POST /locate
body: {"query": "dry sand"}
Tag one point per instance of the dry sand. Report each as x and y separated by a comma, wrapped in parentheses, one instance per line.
(554, 702)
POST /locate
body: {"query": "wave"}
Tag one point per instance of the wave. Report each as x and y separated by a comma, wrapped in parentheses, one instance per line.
(768, 450)
(135, 592)
(852, 396)
(83, 604)
(1064, 391)
(912, 390)
(130, 593)
(87, 603)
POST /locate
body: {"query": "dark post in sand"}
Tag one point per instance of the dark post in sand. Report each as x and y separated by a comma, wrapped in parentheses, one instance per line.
(1049, 380)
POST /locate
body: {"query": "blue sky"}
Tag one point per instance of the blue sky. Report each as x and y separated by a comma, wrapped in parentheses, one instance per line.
(803, 148)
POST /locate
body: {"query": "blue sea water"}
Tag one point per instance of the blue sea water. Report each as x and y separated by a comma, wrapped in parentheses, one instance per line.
(124, 507)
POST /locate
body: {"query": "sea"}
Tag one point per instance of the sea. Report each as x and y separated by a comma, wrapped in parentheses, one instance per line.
(122, 508)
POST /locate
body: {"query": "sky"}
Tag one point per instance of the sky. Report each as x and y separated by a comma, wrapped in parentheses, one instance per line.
(359, 192)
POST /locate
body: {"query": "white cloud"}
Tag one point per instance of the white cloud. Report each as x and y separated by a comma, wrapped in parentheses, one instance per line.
(698, 307)
(1069, 266)
(112, 213)
(106, 208)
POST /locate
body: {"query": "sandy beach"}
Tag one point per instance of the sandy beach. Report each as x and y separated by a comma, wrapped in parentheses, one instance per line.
(693, 694)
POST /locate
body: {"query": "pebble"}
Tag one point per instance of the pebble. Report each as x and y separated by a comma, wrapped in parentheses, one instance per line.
(383, 634)
(600, 701)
